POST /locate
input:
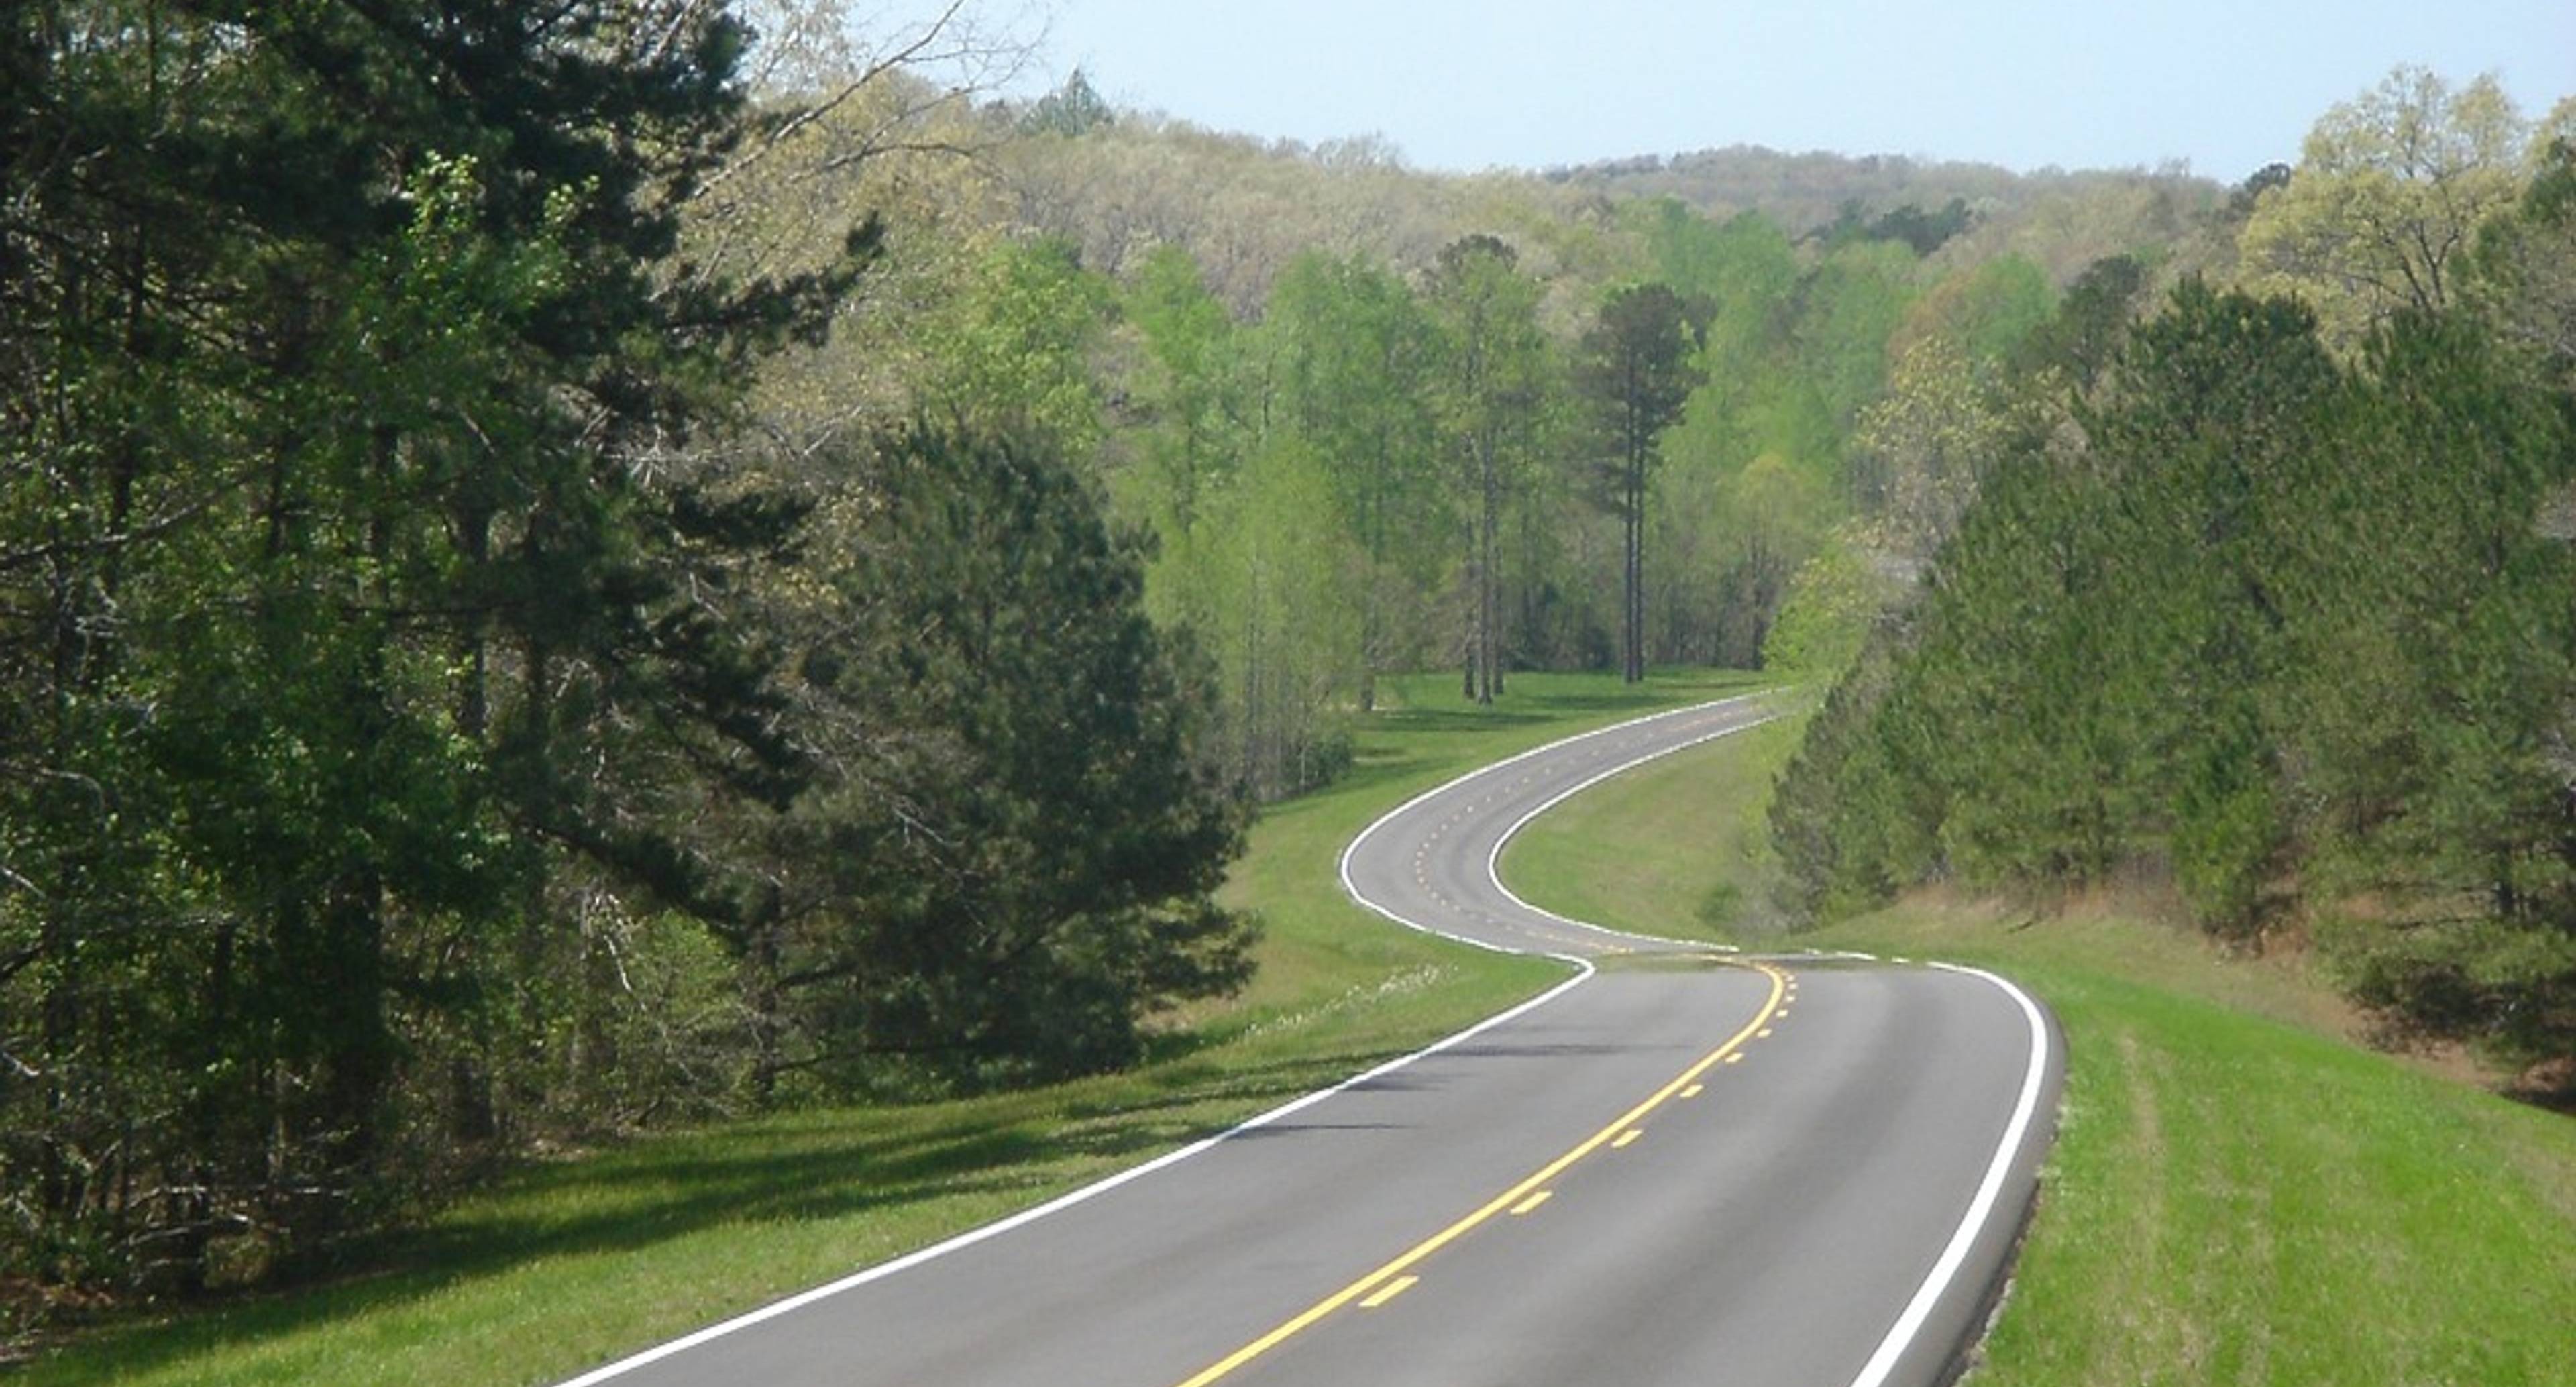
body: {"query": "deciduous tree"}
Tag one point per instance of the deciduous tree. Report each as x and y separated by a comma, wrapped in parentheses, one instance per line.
(1492, 394)
(2387, 199)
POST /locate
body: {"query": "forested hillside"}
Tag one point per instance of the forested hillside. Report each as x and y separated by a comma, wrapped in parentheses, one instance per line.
(563, 570)
(2271, 598)
(1816, 191)
(1383, 420)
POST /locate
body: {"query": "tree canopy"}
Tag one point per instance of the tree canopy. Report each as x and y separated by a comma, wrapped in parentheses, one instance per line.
(420, 684)
(547, 586)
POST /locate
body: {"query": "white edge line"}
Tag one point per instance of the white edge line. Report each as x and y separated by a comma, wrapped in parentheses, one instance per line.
(1352, 888)
(997, 1228)
(1901, 1335)
(1494, 859)
(1063, 1201)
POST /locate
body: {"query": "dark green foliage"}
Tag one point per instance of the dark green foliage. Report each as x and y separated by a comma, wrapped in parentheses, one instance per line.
(2525, 265)
(2091, 323)
(1909, 225)
(2296, 633)
(2241, 199)
(1635, 368)
(333, 604)
(1073, 109)
(1835, 814)
(1012, 866)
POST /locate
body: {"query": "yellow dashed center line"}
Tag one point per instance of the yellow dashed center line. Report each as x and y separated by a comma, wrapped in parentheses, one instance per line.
(1533, 1201)
(1394, 1278)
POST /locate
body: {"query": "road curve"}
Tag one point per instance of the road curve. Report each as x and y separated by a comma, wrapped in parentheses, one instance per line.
(1677, 1167)
(1434, 862)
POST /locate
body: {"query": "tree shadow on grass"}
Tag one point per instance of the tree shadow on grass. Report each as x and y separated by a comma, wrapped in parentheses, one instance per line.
(1452, 720)
(812, 1167)
(795, 1169)
(1377, 766)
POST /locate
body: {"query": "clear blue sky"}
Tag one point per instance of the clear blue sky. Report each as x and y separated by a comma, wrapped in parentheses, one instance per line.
(2228, 85)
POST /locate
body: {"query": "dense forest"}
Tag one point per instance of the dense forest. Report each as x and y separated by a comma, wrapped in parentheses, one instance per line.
(563, 570)
(1380, 420)
(436, 716)
(2269, 600)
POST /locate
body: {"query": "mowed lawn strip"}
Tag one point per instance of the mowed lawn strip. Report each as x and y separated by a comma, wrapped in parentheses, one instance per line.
(2240, 1193)
(1677, 847)
(568, 1264)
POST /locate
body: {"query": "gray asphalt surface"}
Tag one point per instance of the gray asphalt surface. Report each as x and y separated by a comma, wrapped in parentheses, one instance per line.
(1681, 1167)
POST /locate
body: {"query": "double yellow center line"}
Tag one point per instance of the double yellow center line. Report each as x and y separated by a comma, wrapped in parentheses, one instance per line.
(1393, 1279)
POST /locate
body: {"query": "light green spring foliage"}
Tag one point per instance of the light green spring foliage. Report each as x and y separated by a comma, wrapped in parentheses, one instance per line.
(1827, 616)
(1286, 585)
(1010, 351)
(2526, 257)
(1851, 306)
(1737, 265)
(2387, 199)
(1919, 453)
(1259, 550)
(1494, 389)
(1760, 458)
(1352, 355)
(1355, 352)
(1987, 311)
(1230, 340)
(1755, 469)
(1192, 389)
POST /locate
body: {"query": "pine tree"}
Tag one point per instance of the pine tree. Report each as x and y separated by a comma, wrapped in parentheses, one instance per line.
(1636, 368)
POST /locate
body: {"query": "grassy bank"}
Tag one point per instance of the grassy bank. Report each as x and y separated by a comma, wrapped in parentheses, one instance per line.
(573, 1262)
(2240, 1193)
(1677, 847)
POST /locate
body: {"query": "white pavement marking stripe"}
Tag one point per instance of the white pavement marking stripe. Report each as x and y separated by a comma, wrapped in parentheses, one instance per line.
(1900, 1336)
(1494, 859)
(1065, 1201)
(1352, 888)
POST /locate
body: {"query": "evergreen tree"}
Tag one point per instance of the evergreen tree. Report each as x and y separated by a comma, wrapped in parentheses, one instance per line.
(1635, 367)
(354, 570)
(2296, 633)
(1011, 860)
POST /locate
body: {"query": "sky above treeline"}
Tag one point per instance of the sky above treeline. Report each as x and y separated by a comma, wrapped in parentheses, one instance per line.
(2225, 85)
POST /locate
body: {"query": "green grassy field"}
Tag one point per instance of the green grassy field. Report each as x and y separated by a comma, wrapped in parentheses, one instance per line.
(2239, 1193)
(573, 1262)
(1700, 870)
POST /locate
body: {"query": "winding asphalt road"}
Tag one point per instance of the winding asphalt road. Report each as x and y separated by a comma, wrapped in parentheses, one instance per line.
(1680, 1166)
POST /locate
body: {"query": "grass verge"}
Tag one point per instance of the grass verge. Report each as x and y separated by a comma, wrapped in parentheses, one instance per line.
(565, 1265)
(1677, 847)
(2239, 1193)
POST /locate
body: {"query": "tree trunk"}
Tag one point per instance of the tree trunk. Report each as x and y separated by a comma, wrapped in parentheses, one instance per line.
(1632, 607)
(1474, 644)
(1489, 592)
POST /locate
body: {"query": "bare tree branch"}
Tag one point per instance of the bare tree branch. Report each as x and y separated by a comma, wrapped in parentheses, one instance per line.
(948, 41)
